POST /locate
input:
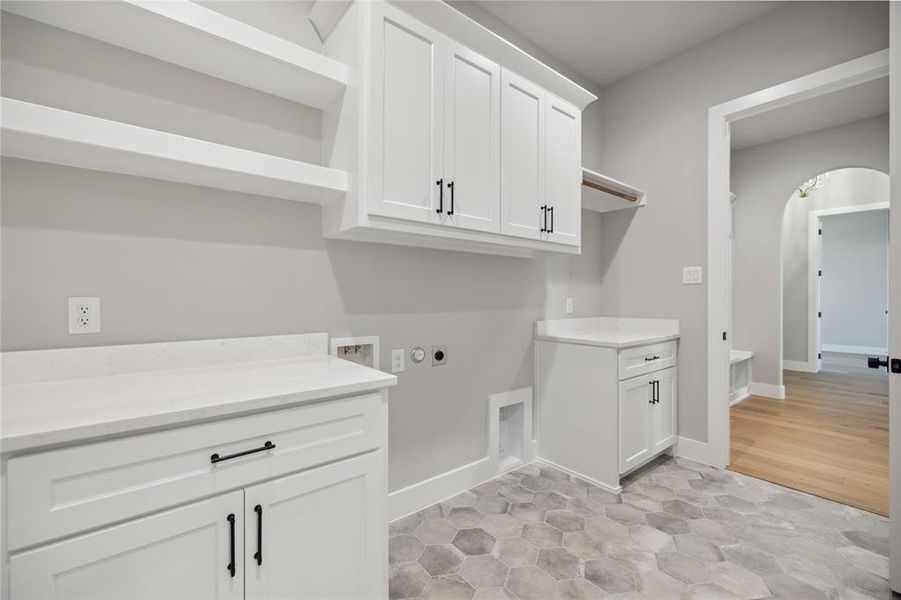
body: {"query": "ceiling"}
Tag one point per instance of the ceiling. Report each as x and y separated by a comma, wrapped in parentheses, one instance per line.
(846, 106)
(604, 41)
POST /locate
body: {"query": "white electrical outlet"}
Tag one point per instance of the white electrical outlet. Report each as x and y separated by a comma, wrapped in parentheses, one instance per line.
(569, 305)
(397, 360)
(84, 315)
(692, 275)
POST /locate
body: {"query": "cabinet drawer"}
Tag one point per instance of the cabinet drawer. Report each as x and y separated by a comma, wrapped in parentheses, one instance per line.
(646, 359)
(60, 492)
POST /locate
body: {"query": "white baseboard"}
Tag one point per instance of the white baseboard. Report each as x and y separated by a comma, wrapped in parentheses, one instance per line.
(693, 450)
(854, 349)
(768, 390)
(421, 495)
(740, 394)
(614, 489)
(797, 365)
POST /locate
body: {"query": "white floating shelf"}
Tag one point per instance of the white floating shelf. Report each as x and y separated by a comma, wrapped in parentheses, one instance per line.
(51, 135)
(192, 36)
(604, 194)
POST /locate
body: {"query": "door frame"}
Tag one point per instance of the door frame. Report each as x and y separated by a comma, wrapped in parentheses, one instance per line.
(719, 329)
(814, 259)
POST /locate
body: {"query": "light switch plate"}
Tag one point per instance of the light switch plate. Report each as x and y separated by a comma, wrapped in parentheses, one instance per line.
(692, 275)
(569, 305)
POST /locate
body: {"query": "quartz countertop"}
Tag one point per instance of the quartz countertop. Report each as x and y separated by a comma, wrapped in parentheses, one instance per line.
(608, 332)
(46, 413)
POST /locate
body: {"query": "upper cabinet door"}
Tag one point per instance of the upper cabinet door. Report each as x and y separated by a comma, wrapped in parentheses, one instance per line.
(472, 140)
(522, 157)
(407, 117)
(320, 533)
(180, 553)
(564, 172)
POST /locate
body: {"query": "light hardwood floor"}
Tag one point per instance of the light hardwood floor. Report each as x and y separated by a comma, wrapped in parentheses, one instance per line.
(829, 437)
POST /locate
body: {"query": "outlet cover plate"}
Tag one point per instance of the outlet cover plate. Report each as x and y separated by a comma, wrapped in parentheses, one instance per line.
(397, 360)
(84, 314)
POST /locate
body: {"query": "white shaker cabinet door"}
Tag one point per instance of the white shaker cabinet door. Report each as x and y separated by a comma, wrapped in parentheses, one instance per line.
(185, 553)
(634, 419)
(663, 411)
(472, 140)
(564, 172)
(522, 157)
(407, 117)
(319, 534)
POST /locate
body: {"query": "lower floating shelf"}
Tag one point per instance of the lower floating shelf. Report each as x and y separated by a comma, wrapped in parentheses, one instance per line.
(51, 135)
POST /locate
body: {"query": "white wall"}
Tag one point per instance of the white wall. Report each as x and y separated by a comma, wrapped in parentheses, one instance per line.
(764, 177)
(855, 281)
(655, 136)
(845, 187)
(176, 262)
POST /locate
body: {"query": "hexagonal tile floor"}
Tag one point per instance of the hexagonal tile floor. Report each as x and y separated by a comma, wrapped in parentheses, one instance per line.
(679, 530)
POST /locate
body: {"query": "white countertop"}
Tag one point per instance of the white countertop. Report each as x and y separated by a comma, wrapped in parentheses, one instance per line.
(64, 411)
(608, 332)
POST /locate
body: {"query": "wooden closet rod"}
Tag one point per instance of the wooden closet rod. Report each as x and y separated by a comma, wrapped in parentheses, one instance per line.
(603, 188)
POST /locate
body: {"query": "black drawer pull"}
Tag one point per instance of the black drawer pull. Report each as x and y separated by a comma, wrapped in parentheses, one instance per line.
(440, 184)
(651, 358)
(215, 458)
(451, 186)
(259, 553)
(231, 524)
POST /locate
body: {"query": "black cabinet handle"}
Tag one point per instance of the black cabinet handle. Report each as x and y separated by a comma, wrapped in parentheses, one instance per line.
(550, 211)
(646, 359)
(215, 458)
(231, 524)
(451, 186)
(440, 184)
(651, 401)
(259, 553)
(657, 391)
(544, 218)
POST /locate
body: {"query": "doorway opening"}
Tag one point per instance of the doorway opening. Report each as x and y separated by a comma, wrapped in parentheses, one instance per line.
(819, 421)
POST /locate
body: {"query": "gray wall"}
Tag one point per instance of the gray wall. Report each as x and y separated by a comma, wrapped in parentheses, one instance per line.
(176, 262)
(855, 279)
(655, 136)
(764, 177)
(845, 187)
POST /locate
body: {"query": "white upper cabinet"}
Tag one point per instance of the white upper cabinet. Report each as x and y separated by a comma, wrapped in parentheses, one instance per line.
(564, 172)
(464, 144)
(407, 124)
(523, 206)
(472, 108)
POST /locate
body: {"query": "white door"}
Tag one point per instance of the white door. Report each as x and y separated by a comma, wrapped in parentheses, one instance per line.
(319, 534)
(663, 410)
(472, 132)
(522, 157)
(564, 172)
(185, 553)
(407, 117)
(634, 420)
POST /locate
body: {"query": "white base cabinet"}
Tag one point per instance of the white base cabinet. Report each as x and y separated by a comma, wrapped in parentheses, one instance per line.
(603, 412)
(298, 510)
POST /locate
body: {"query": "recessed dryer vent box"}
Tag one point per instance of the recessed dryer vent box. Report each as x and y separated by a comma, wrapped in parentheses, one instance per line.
(363, 350)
